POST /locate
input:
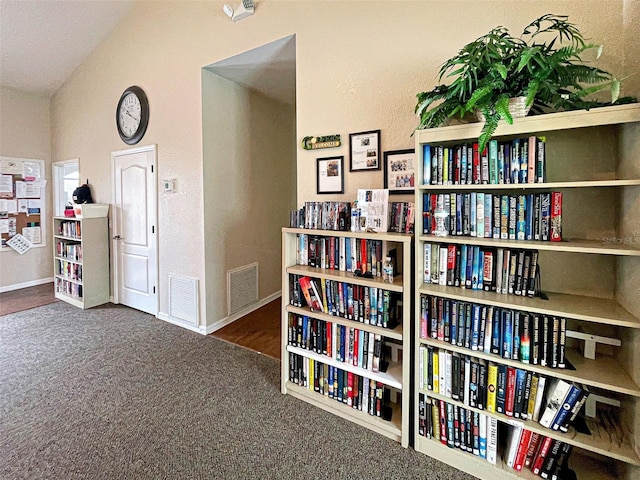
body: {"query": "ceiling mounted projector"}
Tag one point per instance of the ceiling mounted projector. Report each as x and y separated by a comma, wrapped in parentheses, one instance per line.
(245, 9)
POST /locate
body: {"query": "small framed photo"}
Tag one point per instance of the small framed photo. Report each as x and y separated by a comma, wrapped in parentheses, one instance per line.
(365, 150)
(400, 171)
(330, 175)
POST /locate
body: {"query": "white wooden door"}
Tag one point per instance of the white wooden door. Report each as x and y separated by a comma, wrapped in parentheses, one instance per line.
(135, 244)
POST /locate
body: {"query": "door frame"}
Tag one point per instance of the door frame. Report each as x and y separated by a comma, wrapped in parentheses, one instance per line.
(114, 243)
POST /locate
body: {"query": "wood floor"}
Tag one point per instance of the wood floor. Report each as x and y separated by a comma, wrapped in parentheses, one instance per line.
(258, 331)
(26, 298)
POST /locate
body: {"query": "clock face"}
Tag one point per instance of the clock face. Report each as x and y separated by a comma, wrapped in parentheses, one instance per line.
(132, 115)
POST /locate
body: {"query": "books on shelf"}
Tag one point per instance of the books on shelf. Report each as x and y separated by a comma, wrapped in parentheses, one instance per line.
(370, 305)
(482, 436)
(475, 267)
(341, 343)
(521, 160)
(360, 393)
(382, 215)
(507, 333)
(534, 216)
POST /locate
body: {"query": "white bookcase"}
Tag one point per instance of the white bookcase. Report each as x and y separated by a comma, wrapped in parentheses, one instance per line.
(81, 260)
(592, 277)
(397, 377)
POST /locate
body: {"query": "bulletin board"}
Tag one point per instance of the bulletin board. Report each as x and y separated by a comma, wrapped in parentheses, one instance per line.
(22, 200)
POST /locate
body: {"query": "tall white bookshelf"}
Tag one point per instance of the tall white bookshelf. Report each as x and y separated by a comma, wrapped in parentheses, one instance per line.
(592, 277)
(397, 376)
(81, 260)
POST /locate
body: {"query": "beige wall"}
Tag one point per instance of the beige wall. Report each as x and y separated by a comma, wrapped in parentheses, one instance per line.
(359, 67)
(249, 182)
(25, 133)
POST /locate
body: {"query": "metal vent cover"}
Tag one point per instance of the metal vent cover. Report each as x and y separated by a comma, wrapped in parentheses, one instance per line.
(242, 288)
(183, 298)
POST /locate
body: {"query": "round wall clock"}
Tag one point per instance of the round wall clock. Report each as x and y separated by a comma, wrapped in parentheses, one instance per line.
(132, 115)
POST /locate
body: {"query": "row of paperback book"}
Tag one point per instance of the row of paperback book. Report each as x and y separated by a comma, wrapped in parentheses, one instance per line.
(514, 392)
(360, 393)
(69, 250)
(338, 216)
(346, 254)
(534, 216)
(370, 305)
(70, 270)
(401, 217)
(500, 270)
(70, 228)
(68, 288)
(322, 216)
(521, 160)
(479, 434)
(532, 338)
(341, 343)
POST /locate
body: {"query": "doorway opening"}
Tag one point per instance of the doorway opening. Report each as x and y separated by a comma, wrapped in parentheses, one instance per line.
(249, 185)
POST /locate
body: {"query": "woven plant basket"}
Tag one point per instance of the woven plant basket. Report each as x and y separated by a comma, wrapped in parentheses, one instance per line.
(517, 108)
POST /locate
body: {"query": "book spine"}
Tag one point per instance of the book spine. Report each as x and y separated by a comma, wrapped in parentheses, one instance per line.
(556, 217)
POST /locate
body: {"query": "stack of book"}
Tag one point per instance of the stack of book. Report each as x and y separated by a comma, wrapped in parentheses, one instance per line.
(477, 434)
(512, 334)
(370, 305)
(535, 216)
(401, 217)
(521, 160)
(322, 216)
(341, 343)
(500, 270)
(360, 393)
(346, 254)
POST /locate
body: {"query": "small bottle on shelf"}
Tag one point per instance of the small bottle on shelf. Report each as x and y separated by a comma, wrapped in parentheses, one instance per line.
(355, 217)
(387, 270)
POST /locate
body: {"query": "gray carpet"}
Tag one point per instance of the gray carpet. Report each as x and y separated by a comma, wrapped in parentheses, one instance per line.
(113, 393)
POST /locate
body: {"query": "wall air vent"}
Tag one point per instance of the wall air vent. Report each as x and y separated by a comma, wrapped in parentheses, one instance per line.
(183, 298)
(242, 288)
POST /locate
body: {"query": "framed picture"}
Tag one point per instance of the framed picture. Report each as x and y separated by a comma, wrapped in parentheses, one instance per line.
(365, 150)
(330, 175)
(400, 171)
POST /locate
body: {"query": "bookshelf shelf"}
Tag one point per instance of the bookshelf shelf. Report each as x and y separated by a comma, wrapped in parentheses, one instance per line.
(592, 157)
(392, 377)
(348, 277)
(391, 429)
(396, 341)
(579, 307)
(586, 467)
(604, 372)
(64, 259)
(91, 285)
(631, 182)
(569, 245)
(623, 452)
(396, 333)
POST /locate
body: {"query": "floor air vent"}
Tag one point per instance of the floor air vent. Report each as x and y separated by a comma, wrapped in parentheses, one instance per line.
(183, 298)
(242, 288)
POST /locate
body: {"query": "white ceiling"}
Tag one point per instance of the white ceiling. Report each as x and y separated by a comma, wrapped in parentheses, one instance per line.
(42, 42)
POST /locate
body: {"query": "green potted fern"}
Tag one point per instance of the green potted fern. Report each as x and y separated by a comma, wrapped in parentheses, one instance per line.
(500, 76)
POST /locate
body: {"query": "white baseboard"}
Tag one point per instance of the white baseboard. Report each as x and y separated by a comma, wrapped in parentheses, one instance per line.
(18, 286)
(180, 323)
(232, 318)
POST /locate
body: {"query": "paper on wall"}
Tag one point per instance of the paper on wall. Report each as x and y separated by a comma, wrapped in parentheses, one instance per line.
(9, 205)
(6, 184)
(33, 234)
